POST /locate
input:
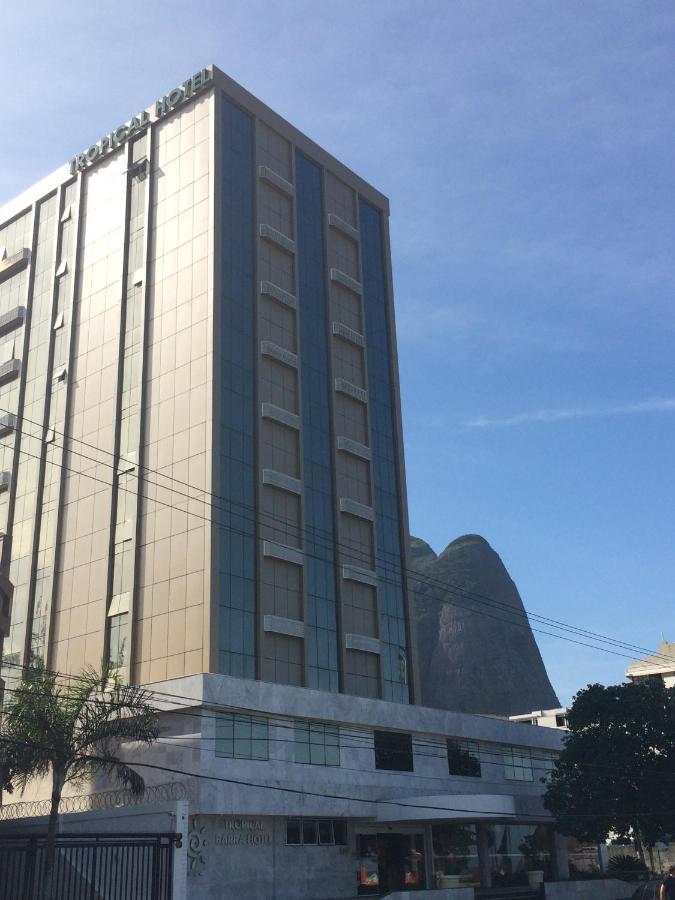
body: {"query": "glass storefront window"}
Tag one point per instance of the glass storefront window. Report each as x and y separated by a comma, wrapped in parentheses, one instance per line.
(390, 862)
(455, 859)
(516, 850)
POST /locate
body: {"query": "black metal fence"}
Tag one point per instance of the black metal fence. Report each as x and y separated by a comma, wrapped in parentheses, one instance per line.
(87, 867)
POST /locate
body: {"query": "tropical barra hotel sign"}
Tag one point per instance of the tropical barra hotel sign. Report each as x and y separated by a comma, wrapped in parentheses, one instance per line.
(138, 123)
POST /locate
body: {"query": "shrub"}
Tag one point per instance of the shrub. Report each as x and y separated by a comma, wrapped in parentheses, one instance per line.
(628, 866)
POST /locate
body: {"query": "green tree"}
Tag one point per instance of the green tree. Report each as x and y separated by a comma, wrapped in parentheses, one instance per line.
(72, 731)
(616, 772)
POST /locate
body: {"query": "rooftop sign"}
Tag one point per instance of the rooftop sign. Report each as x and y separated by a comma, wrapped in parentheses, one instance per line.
(138, 123)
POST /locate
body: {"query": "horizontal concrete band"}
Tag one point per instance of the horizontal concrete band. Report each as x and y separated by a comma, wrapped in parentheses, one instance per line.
(352, 390)
(349, 446)
(357, 509)
(276, 237)
(13, 318)
(13, 264)
(273, 178)
(362, 642)
(283, 416)
(7, 423)
(269, 348)
(344, 331)
(282, 625)
(9, 370)
(363, 576)
(340, 225)
(282, 481)
(347, 281)
(279, 294)
(281, 551)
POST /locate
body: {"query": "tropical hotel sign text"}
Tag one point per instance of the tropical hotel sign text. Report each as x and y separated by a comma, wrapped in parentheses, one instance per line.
(138, 123)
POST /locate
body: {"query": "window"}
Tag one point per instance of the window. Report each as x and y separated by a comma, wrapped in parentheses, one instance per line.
(464, 758)
(317, 744)
(518, 764)
(324, 832)
(362, 673)
(117, 653)
(393, 751)
(242, 737)
(545, 765)
(561, 721)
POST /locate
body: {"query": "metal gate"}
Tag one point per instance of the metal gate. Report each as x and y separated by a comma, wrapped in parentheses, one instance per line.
(88, 867)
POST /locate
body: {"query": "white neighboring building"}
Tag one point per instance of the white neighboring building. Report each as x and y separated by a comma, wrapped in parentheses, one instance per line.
(659, 665)
(549, 718)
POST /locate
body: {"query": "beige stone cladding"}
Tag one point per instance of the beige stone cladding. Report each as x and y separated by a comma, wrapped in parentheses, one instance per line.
(82, 574)
(174, 584)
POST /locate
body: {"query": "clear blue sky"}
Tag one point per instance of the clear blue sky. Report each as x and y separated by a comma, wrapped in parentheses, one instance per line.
(527, 148)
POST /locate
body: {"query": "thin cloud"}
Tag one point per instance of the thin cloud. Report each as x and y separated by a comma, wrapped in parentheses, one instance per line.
(547, 416)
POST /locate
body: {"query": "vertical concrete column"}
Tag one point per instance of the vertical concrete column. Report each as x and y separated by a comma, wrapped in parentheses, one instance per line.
(559, 857)
(180, 853)
(484, 865)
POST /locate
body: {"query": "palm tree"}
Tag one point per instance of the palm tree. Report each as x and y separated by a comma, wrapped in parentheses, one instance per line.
(73, 731)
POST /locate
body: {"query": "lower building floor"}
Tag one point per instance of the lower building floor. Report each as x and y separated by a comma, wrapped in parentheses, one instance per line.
(321, 858)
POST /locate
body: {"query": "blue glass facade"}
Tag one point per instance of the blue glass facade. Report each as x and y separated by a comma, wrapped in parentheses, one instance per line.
(236, 475)
(389, 551)
(320, 590)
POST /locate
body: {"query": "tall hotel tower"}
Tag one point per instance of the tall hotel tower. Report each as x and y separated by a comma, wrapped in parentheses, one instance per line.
(202, 480)
(202, 467)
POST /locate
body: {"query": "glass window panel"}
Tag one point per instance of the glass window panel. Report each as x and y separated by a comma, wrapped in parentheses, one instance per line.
(340, 832)
(463, 758)
(293, 831)
(242, 737)
(309, 831)
(317, 744)
(393, 751)
(325, 831)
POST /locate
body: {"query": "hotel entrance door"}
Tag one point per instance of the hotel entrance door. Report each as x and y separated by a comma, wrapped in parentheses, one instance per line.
(391, 862)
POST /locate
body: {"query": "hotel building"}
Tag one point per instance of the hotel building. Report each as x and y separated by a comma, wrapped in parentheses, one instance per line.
(202, 480)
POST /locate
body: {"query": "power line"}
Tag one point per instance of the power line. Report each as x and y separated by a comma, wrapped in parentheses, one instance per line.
(254, 515)
(502, 607)
(322, 795)
(362, 733)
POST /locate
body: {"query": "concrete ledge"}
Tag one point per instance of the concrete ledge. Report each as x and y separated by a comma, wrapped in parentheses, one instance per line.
(14, 318)
(458, 893)
(349, 446)
(344, 331)
(347, 281)
(340, 225)
(278, 294)
(283, 416)
(354, 508)
(281, 551)
(269, 348)
(361, 642)
(282, 625)
(352, 390)
(13, 264)
(282, 481)
(601, 889)
(272, 177)
(276, 237)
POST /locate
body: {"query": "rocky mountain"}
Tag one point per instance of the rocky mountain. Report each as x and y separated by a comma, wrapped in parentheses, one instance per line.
(472, 655)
